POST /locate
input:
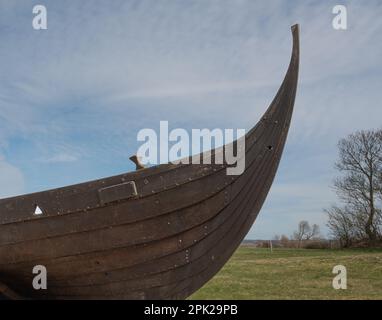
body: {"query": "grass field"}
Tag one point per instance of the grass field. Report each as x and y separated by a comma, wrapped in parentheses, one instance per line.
(254, 273)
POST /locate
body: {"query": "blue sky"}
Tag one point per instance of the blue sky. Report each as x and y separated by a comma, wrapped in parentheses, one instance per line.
(73, 97)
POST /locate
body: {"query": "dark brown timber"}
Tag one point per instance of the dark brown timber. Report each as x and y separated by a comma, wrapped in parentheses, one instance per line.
(156, 233)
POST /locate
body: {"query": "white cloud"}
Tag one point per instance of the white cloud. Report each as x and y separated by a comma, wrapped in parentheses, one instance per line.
(62, 157)
(108, 56)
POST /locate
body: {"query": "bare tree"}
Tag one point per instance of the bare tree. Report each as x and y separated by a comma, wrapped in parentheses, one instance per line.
(303, 228)
(305, 231)
(314, 233)
(359, 188)
(341, 225)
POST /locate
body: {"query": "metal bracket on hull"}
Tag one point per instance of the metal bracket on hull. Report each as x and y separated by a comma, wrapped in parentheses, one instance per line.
(118, 192)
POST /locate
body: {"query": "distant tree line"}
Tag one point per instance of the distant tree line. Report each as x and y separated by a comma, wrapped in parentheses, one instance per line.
(305, 236)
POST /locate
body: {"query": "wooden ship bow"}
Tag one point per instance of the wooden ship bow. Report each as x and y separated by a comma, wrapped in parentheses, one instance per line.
(156, 233)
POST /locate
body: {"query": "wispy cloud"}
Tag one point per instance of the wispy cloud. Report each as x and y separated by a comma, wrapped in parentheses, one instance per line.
(62, 157)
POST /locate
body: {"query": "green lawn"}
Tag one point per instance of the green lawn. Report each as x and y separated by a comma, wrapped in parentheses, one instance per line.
(254, 273)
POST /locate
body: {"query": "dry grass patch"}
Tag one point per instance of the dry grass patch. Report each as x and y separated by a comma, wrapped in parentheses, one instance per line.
(254, 273)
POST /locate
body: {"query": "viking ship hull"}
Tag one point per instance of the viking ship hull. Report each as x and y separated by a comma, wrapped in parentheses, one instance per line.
(156, 233)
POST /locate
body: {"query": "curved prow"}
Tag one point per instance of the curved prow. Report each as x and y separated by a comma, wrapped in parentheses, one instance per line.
(290, 81)
(295, 59)
(296, 41)
(286, 94)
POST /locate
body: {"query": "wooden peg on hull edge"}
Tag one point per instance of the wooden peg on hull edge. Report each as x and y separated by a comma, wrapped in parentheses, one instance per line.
(137, 162)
